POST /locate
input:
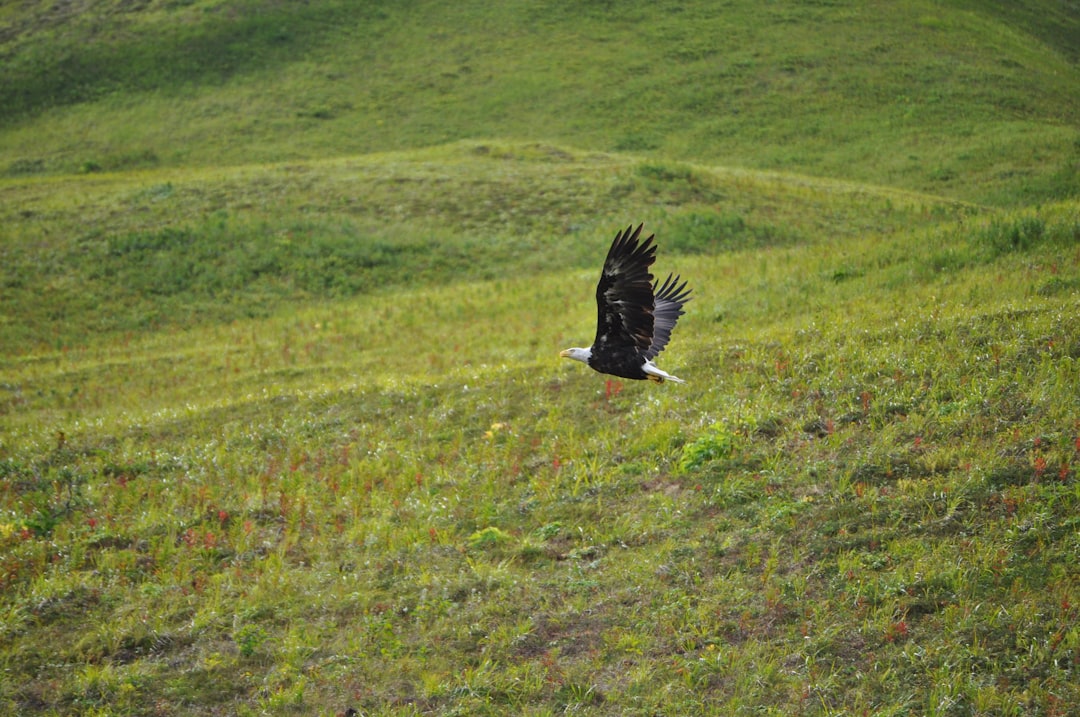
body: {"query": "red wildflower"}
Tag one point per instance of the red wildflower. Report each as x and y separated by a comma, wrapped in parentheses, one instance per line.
(1040, 466)
(896, 631)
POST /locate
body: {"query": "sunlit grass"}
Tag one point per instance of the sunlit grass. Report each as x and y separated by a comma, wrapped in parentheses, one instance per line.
(404, 502)
(129, 252)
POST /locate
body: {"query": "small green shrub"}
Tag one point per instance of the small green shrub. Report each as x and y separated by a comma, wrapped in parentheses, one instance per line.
(717, 443)
(249, 637)
(23, 167)
(1021, 234)
(488, 538)
(706, 232)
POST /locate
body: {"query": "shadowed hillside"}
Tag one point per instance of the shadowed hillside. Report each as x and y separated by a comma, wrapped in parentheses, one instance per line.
(976, 101)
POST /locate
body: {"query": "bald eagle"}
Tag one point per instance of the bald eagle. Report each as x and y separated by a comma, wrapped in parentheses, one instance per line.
(634, 319)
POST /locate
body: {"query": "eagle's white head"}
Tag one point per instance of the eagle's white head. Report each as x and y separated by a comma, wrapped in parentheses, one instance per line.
(582, 355)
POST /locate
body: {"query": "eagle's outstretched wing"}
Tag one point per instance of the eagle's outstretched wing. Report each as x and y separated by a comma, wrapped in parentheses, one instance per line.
(667, 308)
(624, 297)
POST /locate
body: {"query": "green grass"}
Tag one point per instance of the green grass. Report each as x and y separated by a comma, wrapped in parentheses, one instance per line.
(304, 512)
(123, 253)
(975, 101)
(283, 428)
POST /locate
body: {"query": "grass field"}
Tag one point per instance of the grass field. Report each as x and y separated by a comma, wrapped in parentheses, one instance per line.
(283, 426)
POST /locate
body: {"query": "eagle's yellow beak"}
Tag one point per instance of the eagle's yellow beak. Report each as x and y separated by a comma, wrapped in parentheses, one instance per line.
(564, 354)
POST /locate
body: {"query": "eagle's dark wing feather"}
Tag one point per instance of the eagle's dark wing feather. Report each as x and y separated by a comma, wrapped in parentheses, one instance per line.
(624, 297)
(667, 308)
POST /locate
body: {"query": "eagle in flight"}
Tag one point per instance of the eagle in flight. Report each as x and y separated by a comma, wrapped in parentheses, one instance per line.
(634, 318)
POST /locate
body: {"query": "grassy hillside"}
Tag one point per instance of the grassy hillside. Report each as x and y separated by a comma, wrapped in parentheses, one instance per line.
(283, 428)
(971, 100)
(863, 501)
(126, 252)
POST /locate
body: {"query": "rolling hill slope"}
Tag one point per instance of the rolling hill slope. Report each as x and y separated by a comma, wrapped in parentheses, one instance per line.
(973, 100)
